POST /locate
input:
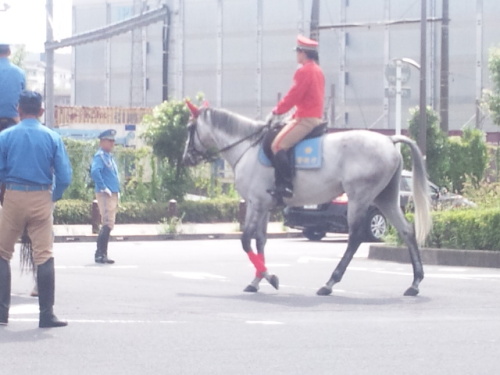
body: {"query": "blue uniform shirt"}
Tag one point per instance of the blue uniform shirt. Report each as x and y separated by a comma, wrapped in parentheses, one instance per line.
(104, 172)
(32, 154)
(12, 82)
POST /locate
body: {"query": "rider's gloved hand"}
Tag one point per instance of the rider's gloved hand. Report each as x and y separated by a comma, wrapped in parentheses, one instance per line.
(271, 119)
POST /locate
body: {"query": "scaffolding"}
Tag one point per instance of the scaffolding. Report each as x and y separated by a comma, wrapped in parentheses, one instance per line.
(136, 22)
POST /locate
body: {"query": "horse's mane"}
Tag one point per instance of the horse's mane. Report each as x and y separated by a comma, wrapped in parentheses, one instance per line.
(230, 122)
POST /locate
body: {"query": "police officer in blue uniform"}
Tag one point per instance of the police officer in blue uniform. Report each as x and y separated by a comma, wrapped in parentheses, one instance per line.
(104, 172)
(35, 169)
(12, 83)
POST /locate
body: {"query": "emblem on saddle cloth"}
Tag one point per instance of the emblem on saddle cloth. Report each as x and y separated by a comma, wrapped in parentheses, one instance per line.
(307, 154)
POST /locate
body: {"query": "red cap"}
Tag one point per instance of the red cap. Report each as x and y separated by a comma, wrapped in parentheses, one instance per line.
(304, 43)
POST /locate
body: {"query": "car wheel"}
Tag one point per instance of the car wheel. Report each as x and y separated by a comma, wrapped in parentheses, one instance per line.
(376, 226)
(313, 234)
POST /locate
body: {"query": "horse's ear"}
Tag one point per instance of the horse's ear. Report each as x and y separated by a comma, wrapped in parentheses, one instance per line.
(195, 111)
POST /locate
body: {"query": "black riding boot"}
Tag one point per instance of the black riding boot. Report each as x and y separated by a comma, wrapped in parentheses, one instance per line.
(46, 289)
(4, 291)
(101, 254)
(284, 176)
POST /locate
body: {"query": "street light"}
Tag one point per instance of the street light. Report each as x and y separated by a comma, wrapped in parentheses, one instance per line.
(399, 65)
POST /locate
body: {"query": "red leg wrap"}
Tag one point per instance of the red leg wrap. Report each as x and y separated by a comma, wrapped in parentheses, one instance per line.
(257, 261)
(261, 258)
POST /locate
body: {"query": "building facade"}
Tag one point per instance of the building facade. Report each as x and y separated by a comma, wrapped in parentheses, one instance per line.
(239, 54)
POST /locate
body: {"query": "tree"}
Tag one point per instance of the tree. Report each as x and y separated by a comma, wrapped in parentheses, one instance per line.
(18, 56)
(451, 161)
(493, 97)
(469, 154)
(166, 133)
(437, 159)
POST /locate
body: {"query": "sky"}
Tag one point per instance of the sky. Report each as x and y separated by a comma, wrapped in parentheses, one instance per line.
(25, 22)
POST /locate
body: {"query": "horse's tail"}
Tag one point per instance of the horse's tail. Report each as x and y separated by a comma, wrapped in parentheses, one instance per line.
(423, 219)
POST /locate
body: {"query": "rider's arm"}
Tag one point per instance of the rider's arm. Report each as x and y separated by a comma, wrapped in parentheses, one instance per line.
(295, 94)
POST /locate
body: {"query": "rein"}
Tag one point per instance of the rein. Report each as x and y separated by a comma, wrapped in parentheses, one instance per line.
(208, 157)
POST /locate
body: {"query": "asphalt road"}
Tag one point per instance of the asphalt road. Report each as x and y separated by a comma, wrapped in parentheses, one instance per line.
(178, 308)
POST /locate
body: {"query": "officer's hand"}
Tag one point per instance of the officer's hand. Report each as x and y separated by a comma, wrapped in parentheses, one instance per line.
(107, 191)
(271, 119)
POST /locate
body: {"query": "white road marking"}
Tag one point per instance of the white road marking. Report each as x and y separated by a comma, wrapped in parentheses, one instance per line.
(315, 259)
(23, 309)
(195, 275)
(104, 321)
(96, 266)
(264, 322)
(462, 276)
(277, 265)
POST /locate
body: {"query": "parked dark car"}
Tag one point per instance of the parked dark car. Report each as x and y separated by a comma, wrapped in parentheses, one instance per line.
(331, 217)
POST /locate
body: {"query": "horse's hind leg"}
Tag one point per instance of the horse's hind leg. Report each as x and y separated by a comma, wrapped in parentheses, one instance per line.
(396, 217)
(355, 239)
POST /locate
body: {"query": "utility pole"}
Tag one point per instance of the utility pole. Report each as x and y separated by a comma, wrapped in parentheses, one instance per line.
(49, 68)
(422, 133)
(137, 91)
(445, 67)
(314, 31)
(479, 62)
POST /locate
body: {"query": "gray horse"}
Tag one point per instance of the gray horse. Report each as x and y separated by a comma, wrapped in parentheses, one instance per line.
(365, 165)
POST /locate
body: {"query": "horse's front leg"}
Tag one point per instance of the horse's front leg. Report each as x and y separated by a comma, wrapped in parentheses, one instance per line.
(256, 226)
(260, 240)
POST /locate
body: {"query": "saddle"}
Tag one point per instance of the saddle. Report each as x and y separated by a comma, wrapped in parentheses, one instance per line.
(317, 132)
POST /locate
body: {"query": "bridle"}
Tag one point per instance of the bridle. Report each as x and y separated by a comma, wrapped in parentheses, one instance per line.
(210, 154)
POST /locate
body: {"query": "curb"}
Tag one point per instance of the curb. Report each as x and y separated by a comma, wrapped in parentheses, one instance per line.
(440, 257)
(170, 237)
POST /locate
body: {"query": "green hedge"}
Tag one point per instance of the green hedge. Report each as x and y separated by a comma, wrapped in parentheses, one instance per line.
(472, 229)
(72, 211)
(206, 211)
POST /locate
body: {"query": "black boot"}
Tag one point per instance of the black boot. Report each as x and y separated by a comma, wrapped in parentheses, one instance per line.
(284, 176)
(46, 289)
(101, 254)
(4, 291)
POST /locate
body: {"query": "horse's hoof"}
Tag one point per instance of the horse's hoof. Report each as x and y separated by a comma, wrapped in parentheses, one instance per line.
(250, 289)
(274, 281)
(324, 291)
(411, 291)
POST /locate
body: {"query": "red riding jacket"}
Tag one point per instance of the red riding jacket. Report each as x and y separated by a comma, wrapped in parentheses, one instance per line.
(306, 93)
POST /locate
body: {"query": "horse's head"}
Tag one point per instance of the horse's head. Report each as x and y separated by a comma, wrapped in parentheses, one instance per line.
(197, 147)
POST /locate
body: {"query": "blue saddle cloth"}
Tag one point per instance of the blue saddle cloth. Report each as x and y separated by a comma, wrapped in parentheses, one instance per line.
(307, 154)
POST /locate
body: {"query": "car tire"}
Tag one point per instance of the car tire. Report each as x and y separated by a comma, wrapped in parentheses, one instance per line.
(376, 226)
(313, 234)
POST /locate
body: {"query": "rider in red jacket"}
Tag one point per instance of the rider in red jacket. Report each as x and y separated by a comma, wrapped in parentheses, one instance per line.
(306, 95)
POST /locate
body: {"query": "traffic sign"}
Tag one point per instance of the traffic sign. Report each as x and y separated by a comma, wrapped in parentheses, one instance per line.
(390, 72)
(390, 92)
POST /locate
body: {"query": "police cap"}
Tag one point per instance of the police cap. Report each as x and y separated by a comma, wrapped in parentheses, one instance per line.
(108, 134)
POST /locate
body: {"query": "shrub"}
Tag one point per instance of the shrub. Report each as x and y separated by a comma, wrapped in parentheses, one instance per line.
(437, 158)
(207, 211)
(466, 229)
(469, 154)
(72, 211)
